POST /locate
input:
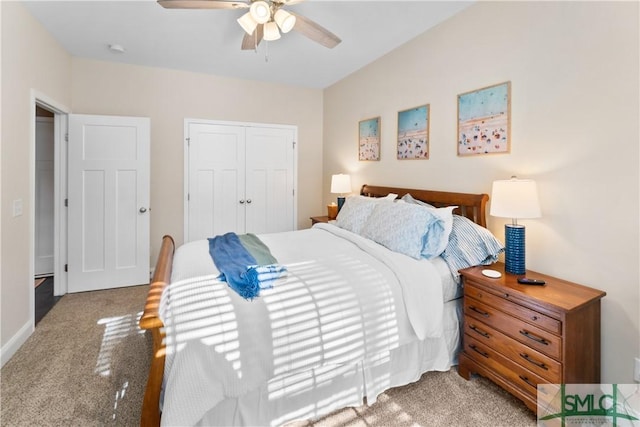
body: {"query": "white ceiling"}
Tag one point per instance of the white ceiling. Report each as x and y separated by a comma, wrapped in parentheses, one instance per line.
(208, 41)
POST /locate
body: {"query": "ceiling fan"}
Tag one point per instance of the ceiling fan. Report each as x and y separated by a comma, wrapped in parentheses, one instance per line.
(264, 20)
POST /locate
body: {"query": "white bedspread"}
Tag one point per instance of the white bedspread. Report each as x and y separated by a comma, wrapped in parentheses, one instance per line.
(346, 301)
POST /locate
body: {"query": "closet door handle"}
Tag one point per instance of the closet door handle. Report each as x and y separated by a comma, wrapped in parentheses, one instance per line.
(242, 202)
(248, 200)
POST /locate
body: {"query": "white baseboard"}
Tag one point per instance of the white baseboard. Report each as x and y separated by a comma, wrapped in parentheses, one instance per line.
(16, 341)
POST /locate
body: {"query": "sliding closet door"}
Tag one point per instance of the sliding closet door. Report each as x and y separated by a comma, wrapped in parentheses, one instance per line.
(269, 174)
(215, 180)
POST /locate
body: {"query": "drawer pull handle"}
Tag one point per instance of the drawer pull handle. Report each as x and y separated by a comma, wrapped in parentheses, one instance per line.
(480, 331)
(480, 352)
(528, 381)
(535, 338)
(530, 360)
(480, 312)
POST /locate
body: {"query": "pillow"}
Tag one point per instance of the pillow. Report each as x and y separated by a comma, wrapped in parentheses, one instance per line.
(439, 239)
(356, 211)
(408, 198)
(470, 245)
(402, 227)
(439, 232)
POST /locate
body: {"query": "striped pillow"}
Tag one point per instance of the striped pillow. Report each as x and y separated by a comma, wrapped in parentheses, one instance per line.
(470, 245)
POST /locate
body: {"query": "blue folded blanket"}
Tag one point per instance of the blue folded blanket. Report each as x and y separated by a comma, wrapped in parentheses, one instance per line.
(245, 263)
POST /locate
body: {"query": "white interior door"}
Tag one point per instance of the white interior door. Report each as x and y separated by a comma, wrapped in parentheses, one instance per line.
(269, 172)
(216, 180)
(44, 197)
(108, 191)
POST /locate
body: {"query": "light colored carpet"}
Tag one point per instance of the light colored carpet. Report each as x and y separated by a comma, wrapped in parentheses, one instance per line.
(87, 362)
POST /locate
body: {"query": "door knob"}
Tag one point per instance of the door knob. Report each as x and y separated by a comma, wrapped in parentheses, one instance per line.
(248, 200)
(241, 201)
(143, 210)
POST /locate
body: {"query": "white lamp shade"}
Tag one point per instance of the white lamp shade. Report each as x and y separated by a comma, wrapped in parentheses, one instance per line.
(341, 184)
(515, 198)
(271, 31)
(247, 23)
(260, 11)
(285, 20)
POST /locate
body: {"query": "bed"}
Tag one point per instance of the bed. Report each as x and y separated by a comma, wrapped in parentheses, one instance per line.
(350, 320)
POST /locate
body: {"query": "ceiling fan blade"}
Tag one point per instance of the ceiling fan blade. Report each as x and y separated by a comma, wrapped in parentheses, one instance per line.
(202, 4)
(315, 32)
(249, 42)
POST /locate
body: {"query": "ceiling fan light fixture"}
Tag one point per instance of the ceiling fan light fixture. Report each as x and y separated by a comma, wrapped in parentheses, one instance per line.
(260, 11)
(271, 31)
(285, 20)
(247, 23)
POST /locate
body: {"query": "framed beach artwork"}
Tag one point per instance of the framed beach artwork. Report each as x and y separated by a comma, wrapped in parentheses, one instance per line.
(369, 139)
(484, 120)
(413, 133)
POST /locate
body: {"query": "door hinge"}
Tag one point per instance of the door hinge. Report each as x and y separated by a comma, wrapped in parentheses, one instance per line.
(66, 137)
(66, 267)
(293, 192)
(188, 197)
(188, 141)
(66, 203)
(294, 144)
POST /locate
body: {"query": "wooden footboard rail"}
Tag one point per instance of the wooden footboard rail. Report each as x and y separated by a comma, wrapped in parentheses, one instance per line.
(151, 321)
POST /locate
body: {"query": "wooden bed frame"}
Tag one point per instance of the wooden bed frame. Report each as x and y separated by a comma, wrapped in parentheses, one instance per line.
(472, 206)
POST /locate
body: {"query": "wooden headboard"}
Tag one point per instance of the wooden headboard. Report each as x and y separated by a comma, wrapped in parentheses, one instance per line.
(472, 206)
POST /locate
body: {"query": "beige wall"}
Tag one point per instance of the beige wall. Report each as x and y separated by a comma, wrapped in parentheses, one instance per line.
(31, 60)
(169, 96)
(574, 72)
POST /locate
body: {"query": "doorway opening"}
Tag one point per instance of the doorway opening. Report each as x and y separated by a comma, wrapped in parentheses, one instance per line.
(44, 212)
(47, 215)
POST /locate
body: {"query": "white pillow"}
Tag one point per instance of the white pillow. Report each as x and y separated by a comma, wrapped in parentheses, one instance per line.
(356, 210)
(403, 227)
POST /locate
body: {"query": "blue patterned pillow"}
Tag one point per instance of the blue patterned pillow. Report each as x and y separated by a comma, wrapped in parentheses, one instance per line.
(470, 245)
(402, 227)
(439, 232)
(355, 212)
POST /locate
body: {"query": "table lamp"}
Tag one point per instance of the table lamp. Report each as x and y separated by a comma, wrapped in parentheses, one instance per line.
(516, 199)
(340, 184)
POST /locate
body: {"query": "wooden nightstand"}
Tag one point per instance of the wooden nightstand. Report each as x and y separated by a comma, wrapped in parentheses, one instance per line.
(521, 335)
(317, 219)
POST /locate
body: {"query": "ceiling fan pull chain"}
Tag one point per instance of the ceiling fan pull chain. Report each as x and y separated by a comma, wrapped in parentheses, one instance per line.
(266, 51)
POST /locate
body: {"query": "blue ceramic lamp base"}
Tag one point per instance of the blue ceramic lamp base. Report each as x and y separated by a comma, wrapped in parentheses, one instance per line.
(340, 203)
(514, 252)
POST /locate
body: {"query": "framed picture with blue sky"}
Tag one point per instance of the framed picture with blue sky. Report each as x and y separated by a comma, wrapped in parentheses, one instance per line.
(413, 133)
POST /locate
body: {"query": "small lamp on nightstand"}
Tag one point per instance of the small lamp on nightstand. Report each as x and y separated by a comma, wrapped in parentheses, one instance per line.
(340, 184)
(514, 198)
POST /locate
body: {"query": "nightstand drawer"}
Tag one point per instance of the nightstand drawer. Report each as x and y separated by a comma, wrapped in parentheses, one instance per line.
(501, 301)
(533, 360)
(528, 334)
(484, 355)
